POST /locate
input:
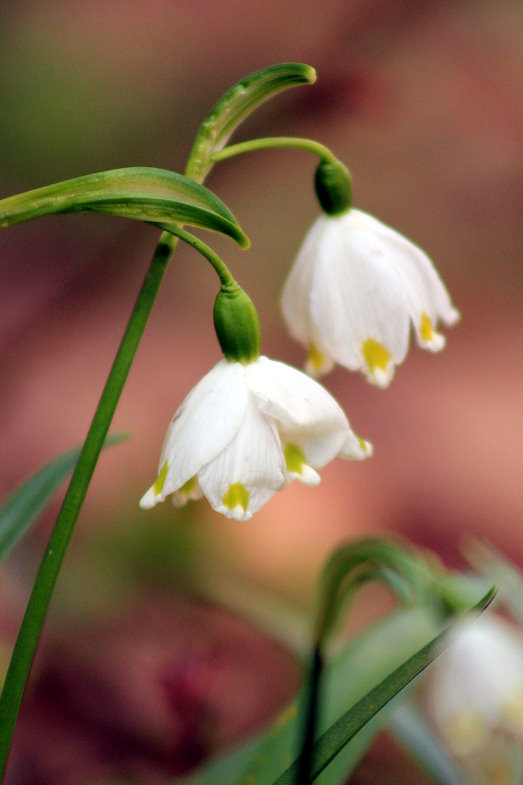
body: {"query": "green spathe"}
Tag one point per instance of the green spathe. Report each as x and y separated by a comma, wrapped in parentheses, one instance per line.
(237, 325)
(333, 186)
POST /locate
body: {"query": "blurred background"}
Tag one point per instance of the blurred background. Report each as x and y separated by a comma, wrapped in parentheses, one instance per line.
(423, 102)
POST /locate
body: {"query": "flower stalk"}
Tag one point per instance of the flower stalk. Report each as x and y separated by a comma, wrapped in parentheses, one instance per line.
(275, 142)
(232, 108)
(34, 617)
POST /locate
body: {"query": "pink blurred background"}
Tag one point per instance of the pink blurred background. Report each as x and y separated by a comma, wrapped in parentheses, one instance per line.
(422, 101)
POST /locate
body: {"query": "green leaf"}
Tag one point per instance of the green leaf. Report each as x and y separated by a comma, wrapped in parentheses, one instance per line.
(236, 104)
(332, 741)
(351, 566)
(370, 558)
(23, 506)
(156, 196)
(410, 729)
(372, 655)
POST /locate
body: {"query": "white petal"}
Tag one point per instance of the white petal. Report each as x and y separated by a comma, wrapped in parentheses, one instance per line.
(356, 448)
(297, 287)
(425, 290)
(318, 363)
(253, 459)
(305, 413)
(307, 475)
(204, 425)
(356, 294)
(149, 499)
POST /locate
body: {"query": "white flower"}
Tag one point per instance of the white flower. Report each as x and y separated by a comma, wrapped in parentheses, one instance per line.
(475, 689)
(246, 431)
(354, 288)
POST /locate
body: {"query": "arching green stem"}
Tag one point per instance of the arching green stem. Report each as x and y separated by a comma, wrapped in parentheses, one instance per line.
(219, 266)
(273, 142)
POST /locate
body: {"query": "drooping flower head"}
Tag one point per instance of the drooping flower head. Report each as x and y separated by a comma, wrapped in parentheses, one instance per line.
(250, 426)
(354, 290)
(246, 431)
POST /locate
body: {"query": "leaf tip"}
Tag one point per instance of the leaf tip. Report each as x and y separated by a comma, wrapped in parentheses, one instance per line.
(243, 241)
(311, 74)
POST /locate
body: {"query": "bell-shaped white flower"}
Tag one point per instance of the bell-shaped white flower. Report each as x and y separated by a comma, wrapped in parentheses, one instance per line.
(354, 288)
(475, 689)
(246, 431)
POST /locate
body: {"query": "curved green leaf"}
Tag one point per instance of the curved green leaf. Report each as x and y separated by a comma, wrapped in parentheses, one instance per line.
(355, 562)
(332, 741)
(398, 647)
(236, 104)
(372, 654)
(22, 508)
(156, 196)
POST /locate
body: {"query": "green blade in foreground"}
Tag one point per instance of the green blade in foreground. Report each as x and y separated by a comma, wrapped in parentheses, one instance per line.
(330, 743)
(24, 505)
(372, 655)
(236, 104)
(145, 194)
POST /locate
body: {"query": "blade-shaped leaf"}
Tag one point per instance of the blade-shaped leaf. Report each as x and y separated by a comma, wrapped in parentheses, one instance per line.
(372, 655)
(22, 508)
(332, 741)
(348, 569)
(236, 104)
(156, 196)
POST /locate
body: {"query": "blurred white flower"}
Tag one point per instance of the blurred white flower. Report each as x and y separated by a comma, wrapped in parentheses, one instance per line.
(246, 431)
(354, 288)
(475, 691)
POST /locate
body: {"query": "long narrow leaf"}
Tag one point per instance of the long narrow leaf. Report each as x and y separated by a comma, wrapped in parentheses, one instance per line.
(23, 507)
(345, 728)
(145, 194)
(372, 655)
(236, 104)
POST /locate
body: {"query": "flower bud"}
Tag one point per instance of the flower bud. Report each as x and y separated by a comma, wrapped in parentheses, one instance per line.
(333, 186)
(237, 325)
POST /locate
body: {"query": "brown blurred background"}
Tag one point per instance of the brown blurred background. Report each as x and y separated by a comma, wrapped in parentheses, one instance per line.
(423, 102)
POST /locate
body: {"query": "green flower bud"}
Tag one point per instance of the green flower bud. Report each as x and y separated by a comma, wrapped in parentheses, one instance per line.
(237, 325)
(333, 186)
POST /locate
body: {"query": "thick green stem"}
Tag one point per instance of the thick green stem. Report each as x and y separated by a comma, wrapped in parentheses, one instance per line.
(38, 604)
(272, 142)
(311, 718)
